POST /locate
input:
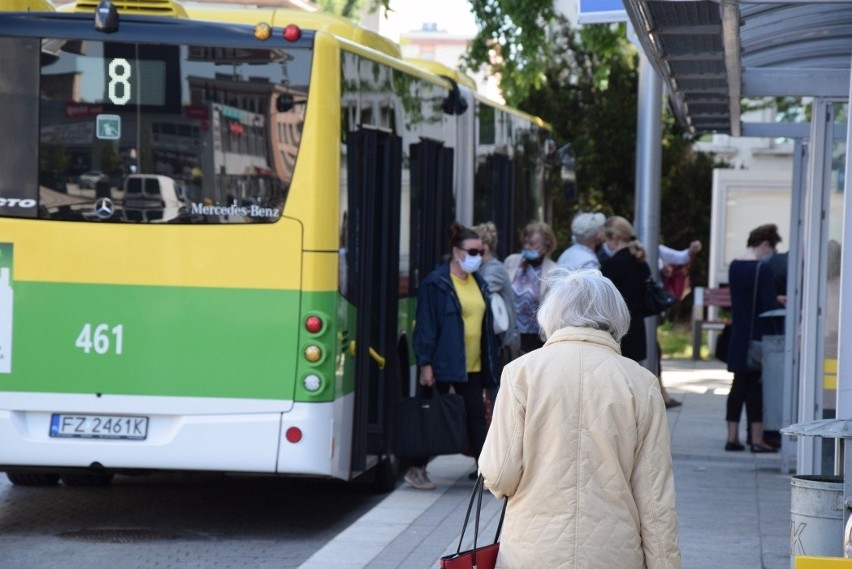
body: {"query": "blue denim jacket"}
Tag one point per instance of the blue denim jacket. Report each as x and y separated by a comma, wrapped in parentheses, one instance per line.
(439, 330)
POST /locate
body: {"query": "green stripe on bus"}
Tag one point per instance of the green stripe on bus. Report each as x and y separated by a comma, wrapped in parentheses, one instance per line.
(160, 341)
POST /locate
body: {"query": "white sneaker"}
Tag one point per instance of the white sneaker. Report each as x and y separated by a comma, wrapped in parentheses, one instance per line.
(418, 478)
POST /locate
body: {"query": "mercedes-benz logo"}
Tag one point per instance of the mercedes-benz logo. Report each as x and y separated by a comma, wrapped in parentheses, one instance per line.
(104, 208)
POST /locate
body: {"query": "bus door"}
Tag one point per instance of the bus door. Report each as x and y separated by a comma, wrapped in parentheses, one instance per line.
(374, 164)
(501, 208)
(434, 204)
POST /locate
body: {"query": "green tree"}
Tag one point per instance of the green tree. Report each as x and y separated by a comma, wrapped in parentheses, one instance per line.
(512, 42)
(588, 95)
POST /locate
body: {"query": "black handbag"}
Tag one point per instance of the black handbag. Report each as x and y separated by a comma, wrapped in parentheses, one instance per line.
(722, 344)
(429, 425)
(657, 299)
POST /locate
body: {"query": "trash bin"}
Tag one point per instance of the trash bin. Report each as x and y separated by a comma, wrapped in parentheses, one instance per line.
(772, 377)
(816, 516)
(817, 506)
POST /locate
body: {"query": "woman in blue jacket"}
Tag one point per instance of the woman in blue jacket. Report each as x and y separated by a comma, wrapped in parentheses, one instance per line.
(752, 285)
(454, 338)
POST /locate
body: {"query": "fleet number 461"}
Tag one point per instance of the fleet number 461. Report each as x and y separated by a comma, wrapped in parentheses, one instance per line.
(101, 338)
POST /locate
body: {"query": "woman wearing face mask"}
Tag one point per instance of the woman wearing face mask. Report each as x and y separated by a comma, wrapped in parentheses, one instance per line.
(528, 269)
(454, 338)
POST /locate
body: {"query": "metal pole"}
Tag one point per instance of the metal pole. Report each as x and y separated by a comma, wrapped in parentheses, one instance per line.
(844, 350)
(809, 459)
(648, 168)
(792, 347)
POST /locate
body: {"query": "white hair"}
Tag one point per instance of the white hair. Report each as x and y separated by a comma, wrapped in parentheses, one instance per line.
(583, 298)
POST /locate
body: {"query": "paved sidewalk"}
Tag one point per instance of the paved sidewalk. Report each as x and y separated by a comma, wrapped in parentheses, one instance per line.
(733, 507)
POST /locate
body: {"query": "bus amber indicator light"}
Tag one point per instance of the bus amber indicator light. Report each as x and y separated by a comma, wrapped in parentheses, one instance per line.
(292, 33)
(262, 31)
(293, 434)
(313, 353)
(313, 324)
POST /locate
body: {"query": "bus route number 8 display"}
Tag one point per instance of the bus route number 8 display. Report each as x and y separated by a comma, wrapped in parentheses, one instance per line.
(138, 81)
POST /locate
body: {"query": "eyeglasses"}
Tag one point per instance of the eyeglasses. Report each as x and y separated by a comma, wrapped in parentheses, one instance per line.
(474, 252)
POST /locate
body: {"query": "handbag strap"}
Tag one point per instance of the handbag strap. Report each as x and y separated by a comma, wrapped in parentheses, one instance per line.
(754, 303)
(478, 489)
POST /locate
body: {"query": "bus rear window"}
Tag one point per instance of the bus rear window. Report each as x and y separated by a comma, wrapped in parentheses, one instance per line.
(143, 133)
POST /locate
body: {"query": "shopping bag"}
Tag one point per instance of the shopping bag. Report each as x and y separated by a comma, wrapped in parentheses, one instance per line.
(500, 314)
(484, 557)
(429, 425)
(657, 300)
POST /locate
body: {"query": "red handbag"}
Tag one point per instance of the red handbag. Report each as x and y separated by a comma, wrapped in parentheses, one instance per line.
(484, 557)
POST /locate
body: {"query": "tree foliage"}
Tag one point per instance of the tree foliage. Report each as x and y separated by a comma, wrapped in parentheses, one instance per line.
(510, 42)
(588, 95)
(348, 8)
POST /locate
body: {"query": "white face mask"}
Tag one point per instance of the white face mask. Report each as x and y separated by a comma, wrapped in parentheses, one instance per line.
(470, 263)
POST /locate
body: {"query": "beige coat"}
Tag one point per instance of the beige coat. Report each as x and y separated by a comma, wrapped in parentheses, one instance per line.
(579, 441)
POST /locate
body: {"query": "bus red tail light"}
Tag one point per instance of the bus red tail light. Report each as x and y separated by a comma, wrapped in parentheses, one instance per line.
(292, 32)
(293, 434)
(313, 324)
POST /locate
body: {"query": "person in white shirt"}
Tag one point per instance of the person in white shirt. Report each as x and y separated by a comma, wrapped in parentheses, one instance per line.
(586, 231)
(671, 256)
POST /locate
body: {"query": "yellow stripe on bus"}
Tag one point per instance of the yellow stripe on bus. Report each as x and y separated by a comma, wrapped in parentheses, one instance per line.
(809, 562)
(258, 256)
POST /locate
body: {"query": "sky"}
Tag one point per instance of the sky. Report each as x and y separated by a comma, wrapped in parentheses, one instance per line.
(451, 15)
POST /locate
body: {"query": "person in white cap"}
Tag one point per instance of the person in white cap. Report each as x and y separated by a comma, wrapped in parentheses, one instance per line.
(586, 231)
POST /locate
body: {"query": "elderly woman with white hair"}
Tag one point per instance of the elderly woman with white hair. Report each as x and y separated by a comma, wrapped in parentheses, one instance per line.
(579, 442)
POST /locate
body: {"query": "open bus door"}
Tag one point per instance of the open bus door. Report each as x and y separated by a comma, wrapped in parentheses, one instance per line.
(432, 190)
(374, 164)
(500, 202)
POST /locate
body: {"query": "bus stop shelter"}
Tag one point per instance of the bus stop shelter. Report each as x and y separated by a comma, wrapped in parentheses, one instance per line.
(711, 56)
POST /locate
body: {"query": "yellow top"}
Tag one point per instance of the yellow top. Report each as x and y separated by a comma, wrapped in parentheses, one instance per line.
(473, 311)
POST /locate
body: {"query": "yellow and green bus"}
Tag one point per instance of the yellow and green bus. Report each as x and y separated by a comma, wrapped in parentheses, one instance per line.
(213, 225)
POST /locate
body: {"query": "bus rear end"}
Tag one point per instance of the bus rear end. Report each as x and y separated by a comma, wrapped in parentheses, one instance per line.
(159, 296)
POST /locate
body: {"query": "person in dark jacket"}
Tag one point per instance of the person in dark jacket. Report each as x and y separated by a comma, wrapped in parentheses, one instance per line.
(753, 292)
(454, 338)
(628, 271)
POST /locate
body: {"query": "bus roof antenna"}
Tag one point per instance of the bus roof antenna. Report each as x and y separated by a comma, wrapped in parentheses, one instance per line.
(106, 17)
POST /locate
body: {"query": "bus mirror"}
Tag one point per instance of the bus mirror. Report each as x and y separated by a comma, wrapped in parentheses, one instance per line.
(453, 103)
(106, 17)
(284, 103)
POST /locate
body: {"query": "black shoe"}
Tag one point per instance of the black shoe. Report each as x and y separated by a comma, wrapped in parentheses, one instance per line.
(734, 446)
(673, 403)
(759, 449)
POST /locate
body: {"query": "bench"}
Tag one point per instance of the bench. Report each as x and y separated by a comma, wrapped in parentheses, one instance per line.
(706, 298)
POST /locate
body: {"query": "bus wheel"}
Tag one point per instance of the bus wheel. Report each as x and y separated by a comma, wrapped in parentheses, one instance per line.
(32, 478)
(386, 474)
(87, 478)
